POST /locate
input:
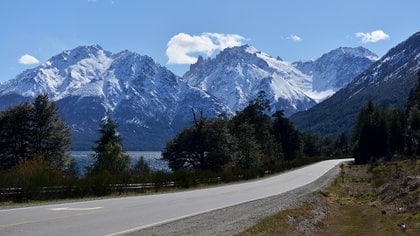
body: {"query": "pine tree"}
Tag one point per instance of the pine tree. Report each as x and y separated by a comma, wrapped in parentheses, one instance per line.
(50, 136)
(370, 136)
(141, 168)
(287, 136)
(109, 155)
(341, 145)
(34, 130)
(15, 134)
(413, 120)
(396, 126)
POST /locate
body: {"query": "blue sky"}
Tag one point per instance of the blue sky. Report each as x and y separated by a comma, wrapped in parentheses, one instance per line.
(292, 30)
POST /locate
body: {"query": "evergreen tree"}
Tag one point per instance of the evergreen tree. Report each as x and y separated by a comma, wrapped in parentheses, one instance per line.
(310, 145)
(15, 134)
(341, 145)
(141, 168)
(413, 120)
(370, 136)
(109, 155)
(50, 136)
(34, 130)
(287, 136)
(396, 134)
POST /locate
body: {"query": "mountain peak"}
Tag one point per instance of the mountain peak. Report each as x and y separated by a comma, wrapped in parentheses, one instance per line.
(386, 82)
(237, 74)
(72, 56)
(336, 68)
(355, 52)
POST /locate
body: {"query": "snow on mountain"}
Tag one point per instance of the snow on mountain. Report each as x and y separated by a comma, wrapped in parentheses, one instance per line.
(151, 104)
(148, 101)
(237, 74)
(335, 69)
(387, 82)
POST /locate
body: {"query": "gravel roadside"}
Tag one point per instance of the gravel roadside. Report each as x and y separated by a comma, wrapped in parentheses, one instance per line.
(234, 219)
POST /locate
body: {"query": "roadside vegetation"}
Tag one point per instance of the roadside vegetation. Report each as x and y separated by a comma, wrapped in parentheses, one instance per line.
(35, 162)
(377, 194)
(371, 199)
(251, 140)
(35, 144)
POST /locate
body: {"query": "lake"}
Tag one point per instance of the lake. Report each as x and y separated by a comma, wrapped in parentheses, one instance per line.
(153, 158)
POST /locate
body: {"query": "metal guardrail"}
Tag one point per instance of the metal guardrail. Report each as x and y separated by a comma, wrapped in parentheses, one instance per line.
(14, 191)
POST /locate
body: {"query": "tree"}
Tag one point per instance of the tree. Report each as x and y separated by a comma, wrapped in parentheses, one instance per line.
(15, 134)
(341, 145)
(250, 154)
(287, 136)
(370, 137)
(109, 155)
(34, 130)
(396, 130)
(141, 168)
(413, 120)
(204, 146)
(252, 126)
(310, 145)
(50, 135)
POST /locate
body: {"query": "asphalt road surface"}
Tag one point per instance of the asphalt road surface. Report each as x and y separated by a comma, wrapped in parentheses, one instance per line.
(123, 215)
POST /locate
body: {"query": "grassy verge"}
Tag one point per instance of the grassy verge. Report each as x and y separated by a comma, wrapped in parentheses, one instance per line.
(184, 180)
(367, 200)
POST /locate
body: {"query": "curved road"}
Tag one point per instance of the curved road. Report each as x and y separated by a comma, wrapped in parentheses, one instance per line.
(122, 215)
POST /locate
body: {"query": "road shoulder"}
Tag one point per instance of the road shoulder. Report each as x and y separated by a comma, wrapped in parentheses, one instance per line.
(234, 219)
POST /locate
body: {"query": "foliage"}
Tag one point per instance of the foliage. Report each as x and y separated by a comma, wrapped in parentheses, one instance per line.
(381, 133)
(141, 169)
(50, 136)
(288, 136)
(249, 140)
(205, 146)
(15, 133)
(30, 130)
(33, 175)
(109, 155)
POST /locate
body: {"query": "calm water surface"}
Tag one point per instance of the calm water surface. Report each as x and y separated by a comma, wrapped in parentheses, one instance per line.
(83, 159)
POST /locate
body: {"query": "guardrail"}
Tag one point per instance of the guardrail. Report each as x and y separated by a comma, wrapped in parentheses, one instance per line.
(16, 191)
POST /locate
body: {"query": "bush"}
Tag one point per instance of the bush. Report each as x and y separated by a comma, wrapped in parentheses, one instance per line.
(34, 176)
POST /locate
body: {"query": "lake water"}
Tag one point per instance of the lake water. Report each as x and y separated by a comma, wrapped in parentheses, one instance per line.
(153, 158)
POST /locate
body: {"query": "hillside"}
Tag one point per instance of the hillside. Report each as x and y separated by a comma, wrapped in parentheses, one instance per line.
(387, 82)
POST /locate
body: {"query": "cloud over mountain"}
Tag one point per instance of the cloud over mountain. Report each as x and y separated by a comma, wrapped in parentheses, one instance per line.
(182, 48)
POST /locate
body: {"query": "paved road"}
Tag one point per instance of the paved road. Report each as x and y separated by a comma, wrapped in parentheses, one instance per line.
(120, 215)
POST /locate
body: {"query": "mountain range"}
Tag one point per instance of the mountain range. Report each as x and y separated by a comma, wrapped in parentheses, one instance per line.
(151, 104)
(387, 82)
(148, 101)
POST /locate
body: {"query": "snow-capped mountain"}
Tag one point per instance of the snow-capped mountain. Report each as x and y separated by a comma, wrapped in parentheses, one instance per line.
(237, 74)
(151, 104)
(387, 82)
(148, 101)
(335, 69)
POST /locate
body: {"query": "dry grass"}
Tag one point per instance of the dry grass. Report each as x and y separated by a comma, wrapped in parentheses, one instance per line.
(367, 200)
(282, 223)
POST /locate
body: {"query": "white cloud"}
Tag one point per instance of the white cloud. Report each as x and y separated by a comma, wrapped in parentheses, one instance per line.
(181, 46)
(295, 38)
(372, 37)
(28, 60)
